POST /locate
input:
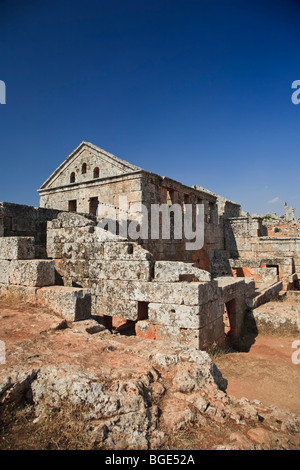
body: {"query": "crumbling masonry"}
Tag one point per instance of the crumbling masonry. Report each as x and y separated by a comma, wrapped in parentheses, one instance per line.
(58, 256)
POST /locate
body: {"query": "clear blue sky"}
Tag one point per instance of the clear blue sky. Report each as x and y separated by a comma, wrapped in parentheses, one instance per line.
(199, 91)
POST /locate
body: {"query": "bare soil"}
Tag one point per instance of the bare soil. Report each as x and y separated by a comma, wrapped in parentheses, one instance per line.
(265, 373)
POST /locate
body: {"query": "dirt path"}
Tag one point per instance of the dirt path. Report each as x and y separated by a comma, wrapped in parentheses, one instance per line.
(265, 373)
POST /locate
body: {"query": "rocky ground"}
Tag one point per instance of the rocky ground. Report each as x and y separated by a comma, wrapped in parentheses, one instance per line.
(78, 386)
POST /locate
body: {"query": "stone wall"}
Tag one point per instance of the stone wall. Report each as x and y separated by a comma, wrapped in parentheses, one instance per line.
(141, 188)
(253, 254)
(173, 301)
(18, 220)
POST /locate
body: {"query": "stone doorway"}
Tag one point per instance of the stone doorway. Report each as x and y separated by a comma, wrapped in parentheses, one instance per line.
(93, 205)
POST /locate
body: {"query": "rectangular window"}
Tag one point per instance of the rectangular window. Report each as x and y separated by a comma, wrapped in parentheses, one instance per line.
(143, 310)
(93, 205)
(73, 205)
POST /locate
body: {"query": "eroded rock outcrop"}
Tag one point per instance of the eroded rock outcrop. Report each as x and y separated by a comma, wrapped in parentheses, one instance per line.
(134, 393)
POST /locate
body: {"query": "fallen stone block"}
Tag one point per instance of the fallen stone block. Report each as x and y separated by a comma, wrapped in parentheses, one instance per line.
(17, 248)
(70, 303)
(32, 273)
(186, 293)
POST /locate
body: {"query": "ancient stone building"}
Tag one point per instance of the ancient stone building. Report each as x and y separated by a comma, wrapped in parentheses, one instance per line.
(91, 178)
(64, 256)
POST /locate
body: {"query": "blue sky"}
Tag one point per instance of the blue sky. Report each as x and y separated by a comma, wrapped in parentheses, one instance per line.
(199, 91)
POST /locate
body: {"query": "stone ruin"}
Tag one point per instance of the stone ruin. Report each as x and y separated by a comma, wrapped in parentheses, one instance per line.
(58, 256)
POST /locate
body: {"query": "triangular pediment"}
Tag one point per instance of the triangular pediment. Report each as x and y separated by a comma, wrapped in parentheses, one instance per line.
(92, 157)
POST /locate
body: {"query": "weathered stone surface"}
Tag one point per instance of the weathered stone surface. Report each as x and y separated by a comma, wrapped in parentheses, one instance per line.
(26, 293)
(186, 293)
(191, 338)
(115, 307)
(124, 270)
(32, 273)
(133, 391)
(70, 303)
(182, 316)
(118, 250)
(167, 333)
(70, 220)
(277, 316)
(17, 248)
(267, 294)
(212, 333)
(179, 271)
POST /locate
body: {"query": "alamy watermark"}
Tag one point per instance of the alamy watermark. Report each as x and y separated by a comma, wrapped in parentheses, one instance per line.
(2, 92)
(296, 354)
(155, 222)
(296, 95)
(2, 353)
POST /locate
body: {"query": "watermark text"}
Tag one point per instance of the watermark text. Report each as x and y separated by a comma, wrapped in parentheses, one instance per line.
(296, 95)
(2, 353)
(154, 222)
(2, 92)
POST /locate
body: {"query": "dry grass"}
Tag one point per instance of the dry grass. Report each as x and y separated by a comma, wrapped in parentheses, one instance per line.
(61, 428)
(204, 436)
(215, 351)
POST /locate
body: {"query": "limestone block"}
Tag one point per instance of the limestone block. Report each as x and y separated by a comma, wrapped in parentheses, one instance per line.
(72, 269)
(231, 288)
(185, 293)
(71, 219)
(53, 249)
(207, 292)
(17, 248)
(96, 305)
(122, 250)
(212, 333)
(178, 271)
(33, 273)
(70, 303)
(268, 275)
(168, 333)
(116, 307)
(95, 250)
(190, 337)
(182, 316)
(24, 293)
(124, 270)
(94, 285)
(210, 312)
(4, 271)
